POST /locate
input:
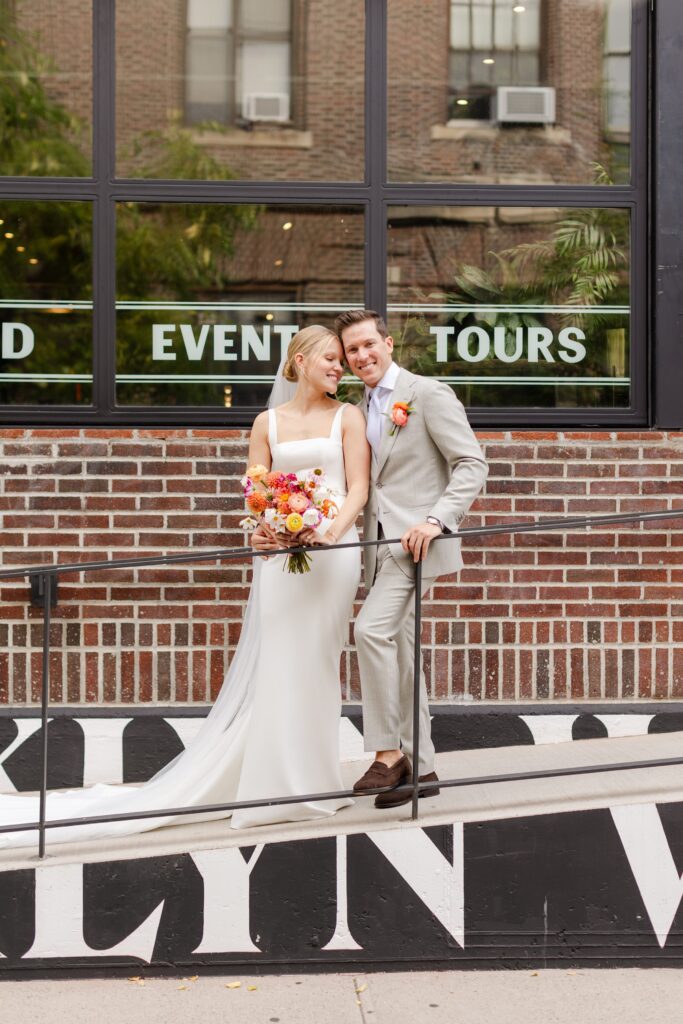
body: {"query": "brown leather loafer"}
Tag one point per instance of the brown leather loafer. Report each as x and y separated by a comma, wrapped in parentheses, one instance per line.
(383, 800)
(379, 775)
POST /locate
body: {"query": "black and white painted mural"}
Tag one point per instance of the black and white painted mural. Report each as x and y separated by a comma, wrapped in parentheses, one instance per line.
(132, 746)
(594, 887)
(586, 887)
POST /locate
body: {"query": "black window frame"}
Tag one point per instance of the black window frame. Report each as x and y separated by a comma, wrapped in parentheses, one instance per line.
(374, 195)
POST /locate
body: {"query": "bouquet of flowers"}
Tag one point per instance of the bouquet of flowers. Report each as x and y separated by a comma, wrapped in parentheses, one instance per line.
(287, 503)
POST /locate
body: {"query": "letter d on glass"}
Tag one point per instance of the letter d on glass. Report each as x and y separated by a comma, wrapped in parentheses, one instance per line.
(9, 341)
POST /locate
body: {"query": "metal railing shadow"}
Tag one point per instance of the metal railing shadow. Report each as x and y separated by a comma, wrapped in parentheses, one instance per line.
(47, 574)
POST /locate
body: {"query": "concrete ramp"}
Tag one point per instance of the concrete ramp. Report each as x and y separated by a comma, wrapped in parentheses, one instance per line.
(578, 870)
(483, 802)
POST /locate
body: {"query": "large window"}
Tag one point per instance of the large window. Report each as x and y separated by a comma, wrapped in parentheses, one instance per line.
(251, 90)
(514, 307)
(192, 337)
(187, 183)
(531, 92)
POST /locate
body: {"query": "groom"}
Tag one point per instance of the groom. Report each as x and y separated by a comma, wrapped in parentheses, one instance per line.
(427, 469)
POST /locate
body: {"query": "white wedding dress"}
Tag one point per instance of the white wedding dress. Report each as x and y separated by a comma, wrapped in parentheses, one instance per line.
(274, 729)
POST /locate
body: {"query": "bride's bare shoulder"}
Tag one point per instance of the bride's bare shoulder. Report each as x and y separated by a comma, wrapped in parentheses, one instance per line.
(261, 423)
(352, 415)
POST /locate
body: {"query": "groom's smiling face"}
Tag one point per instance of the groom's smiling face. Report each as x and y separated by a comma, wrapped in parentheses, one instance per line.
(367, 352)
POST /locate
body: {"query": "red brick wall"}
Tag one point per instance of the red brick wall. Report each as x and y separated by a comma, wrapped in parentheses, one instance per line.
(585, 615)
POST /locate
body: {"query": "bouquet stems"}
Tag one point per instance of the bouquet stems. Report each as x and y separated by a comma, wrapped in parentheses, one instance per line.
(298, 563)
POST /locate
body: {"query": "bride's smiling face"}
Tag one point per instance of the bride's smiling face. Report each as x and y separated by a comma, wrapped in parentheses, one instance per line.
(323, 369)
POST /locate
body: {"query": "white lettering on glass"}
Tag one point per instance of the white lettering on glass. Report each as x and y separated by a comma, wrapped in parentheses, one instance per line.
(160, 342)
(9, 337)
(221, 343)
(473, 344)
(500, 336)
(540, 340)
(570, 338)
(483, 347)
(442, 336)
(194, 346)
(252, 343)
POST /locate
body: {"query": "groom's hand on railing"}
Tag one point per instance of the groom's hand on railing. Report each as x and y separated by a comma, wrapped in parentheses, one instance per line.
(417, 539)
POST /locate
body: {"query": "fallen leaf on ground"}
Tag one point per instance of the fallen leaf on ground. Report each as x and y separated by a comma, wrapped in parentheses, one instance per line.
(251, 988)
(361, 988)
(194, 977)
(182, 988)
(233, 984)
(135, 978)
(572, 972)
(534, 974)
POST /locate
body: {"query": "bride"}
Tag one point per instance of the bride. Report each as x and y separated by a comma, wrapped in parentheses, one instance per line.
(274, 729)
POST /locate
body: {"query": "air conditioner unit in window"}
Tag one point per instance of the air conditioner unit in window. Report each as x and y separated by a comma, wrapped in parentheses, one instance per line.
(266, 106)
(524, 105)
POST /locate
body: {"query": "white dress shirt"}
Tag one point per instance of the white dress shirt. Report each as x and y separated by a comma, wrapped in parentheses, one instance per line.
(377, 399)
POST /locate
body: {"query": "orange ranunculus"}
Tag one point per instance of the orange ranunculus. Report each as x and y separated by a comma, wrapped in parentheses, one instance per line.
(257, 503)
(399, 415)
(401, 405)
(284, 508)
(257, 472)
(298, 502)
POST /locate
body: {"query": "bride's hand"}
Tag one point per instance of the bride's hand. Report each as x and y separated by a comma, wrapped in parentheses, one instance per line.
(264, 539)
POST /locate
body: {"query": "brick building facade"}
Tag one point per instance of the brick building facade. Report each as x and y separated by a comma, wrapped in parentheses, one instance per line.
(583, 616)
(586, 615)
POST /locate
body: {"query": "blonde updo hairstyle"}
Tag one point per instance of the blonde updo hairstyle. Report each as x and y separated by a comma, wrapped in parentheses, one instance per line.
(308, 342)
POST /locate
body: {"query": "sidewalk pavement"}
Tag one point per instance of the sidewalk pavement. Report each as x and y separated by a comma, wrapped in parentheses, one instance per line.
(560, 996)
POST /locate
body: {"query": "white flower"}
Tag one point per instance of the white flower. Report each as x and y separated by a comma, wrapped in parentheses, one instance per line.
(270, 515)
(248, 523)
(311, 517)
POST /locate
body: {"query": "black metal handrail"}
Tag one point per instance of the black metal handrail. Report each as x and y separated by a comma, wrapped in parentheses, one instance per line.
(52, 572)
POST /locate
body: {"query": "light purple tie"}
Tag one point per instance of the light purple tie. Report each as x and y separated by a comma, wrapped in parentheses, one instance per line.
(374, 428)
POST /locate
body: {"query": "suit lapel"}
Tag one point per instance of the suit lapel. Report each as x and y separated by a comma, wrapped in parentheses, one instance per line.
(403, 392)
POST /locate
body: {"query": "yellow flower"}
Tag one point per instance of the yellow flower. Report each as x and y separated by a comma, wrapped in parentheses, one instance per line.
(257, 472)
(294, 522)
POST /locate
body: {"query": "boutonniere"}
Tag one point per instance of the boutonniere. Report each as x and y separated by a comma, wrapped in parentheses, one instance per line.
(400, 411)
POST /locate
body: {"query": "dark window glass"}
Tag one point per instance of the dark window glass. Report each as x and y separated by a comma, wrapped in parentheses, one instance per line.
(46, 88)
(243, 89)
(208, 295)
(503, 92)
(46, 303)
(513, 306)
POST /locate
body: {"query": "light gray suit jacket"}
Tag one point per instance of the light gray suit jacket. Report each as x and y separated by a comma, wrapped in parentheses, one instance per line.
(431, 466)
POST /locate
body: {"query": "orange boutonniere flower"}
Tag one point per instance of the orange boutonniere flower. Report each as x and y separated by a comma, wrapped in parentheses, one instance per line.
(400, 411)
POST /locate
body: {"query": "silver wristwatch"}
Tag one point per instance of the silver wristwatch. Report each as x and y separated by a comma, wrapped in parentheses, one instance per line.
(435, 522)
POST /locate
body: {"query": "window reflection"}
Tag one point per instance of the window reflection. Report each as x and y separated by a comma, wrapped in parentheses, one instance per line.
(493, 42)
(242, 89)
(238, 61)
(505, 92)
(514, 306)
(204, 317)
(46, 88)
(45, 303)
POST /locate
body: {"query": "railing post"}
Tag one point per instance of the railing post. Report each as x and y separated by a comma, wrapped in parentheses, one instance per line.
(417, 663)
(45, 700)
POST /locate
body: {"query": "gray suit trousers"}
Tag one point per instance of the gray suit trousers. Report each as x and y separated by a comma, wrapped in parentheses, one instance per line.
(384, 633)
